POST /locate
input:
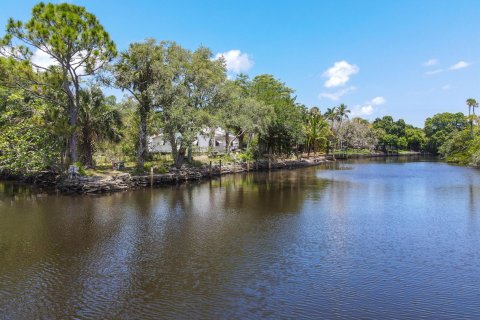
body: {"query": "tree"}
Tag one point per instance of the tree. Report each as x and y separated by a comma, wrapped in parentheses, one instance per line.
(330, 114)
(99, 121)
(415, 138)
(285, 131)
(390, 126)
(240, 113)
(342, 113)
(73, 39)
(140, 72)
(317, 130)
(358, 134)
(27, 141)
(472, 104)
(439, 127)
(190, 96)
(457, 146)
(392, 133)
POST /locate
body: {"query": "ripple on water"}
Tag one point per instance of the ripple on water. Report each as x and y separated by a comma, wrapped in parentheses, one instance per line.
(382, 241)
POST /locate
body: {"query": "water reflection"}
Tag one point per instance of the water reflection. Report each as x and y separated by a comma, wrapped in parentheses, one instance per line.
(366, 239)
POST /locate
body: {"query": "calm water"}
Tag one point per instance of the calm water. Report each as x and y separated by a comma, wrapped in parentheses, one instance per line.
(384, 240)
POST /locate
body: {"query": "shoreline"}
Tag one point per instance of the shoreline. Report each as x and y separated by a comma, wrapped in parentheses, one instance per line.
(125, 181)
(122, 181)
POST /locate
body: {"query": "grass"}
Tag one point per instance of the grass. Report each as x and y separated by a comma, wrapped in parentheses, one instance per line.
(353, 151)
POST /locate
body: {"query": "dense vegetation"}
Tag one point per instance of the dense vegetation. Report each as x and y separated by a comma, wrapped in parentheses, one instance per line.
(56, 115)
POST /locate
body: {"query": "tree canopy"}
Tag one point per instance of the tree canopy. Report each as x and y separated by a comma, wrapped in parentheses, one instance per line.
(77, 45)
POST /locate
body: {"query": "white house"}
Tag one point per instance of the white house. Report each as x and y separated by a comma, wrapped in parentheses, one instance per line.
(160, 144)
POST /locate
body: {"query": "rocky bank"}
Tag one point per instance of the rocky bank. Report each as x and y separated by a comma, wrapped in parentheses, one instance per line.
(124, 181)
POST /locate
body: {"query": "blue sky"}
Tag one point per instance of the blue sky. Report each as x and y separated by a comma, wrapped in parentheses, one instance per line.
(408, 59)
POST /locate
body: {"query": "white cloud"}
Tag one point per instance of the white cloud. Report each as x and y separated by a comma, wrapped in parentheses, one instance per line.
(236, 61)
(429, 73)
(446, 87)
(339, 74)
(42, 59)
(362, 110)
(460, 65)
(336, 95)
(378, 101)
(430, 62)
(368, 108)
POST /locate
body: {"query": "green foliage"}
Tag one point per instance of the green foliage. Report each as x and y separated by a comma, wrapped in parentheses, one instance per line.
(460, 147)
(475, 154)
(317, 131)
(158, 167)
(398, 135)
(246, 156)
(75, 40)
(439, 128)
(25, 148)
(66, 32)
(415, 138)
(183, 84)
(27, 144)
(285, 131)
(98, 120)
(240, 112)
(81, 168)
(138, 71)
(390, 126)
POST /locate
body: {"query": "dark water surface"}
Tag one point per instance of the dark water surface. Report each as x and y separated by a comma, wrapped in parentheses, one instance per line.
(381, 239)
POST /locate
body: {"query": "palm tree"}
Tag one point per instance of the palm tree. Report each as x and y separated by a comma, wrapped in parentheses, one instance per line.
(472, 104)
(98, 120)
(475, 105)
(311, 127)
(342, 113)
(330, 115)
(316, 128)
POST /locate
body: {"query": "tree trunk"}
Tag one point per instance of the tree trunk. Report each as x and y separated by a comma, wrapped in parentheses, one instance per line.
(250, 138)
(173, 145)
(89, 155)
(87, 149)
(190, 153)
(241, 140)
(142, 136)
(212, 141)
(227, 141)
(333, 150)
(73, 116)
(180, 157)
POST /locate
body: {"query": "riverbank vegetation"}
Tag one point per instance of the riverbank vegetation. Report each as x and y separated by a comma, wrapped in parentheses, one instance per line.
(55, 115)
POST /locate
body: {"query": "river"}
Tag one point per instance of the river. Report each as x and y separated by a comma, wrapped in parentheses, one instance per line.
(377, 239)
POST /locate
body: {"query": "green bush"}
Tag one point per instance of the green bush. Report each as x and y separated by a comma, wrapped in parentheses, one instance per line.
(81, 168)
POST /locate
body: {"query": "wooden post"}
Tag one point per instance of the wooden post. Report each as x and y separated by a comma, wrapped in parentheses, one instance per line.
(248, 166)
(234, 166)
(220, 167)
(210, 168)
(269, 163)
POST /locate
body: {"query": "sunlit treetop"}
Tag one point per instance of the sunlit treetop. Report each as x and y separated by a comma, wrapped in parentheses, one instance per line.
(69, 34)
